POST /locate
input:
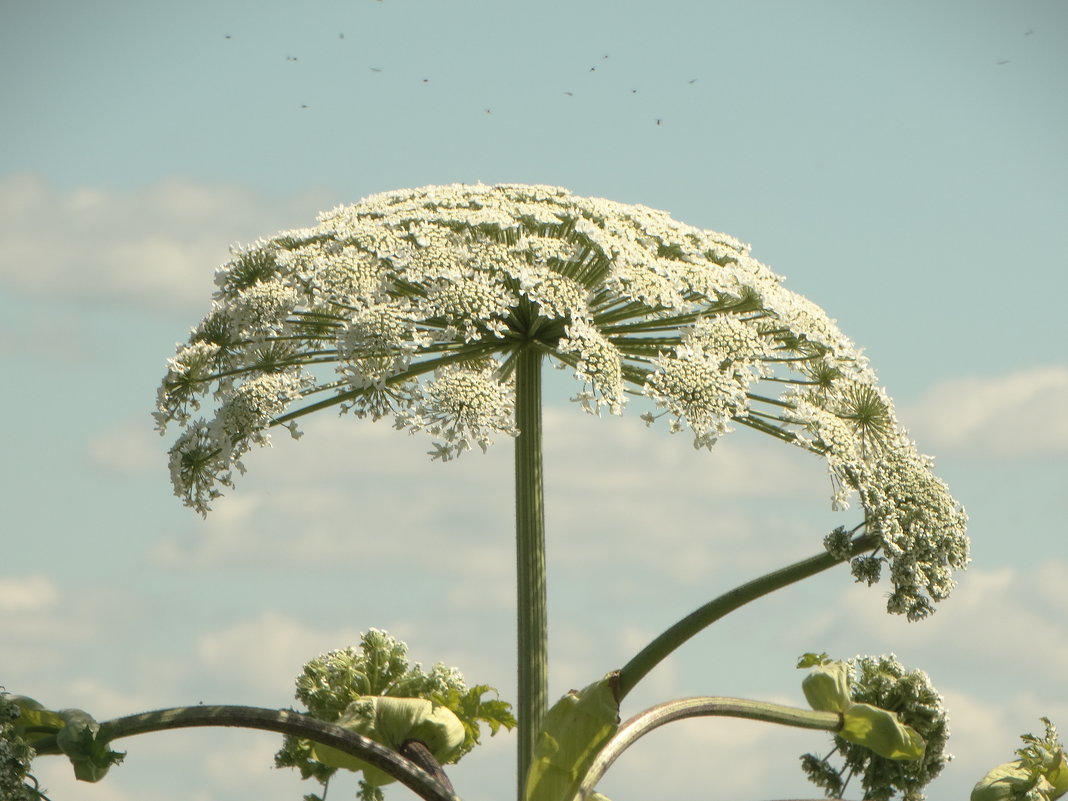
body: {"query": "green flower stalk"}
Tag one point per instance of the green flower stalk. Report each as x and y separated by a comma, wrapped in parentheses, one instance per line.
(625, 735)
(437, 306)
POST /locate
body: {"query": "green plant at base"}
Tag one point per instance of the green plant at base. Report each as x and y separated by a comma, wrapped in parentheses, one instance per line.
(575, 730)
(1040, 773)
(349, 686)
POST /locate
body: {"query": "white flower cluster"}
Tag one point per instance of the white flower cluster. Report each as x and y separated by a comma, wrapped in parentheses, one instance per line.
(16, 755)
(413, 304)
(378, 666)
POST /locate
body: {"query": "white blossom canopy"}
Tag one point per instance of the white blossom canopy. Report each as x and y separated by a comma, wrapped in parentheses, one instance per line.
(415, 303)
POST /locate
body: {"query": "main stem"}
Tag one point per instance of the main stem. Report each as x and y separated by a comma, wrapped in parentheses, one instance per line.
(533, 642)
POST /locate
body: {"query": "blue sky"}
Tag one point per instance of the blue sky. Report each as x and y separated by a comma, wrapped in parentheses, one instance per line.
(903, 165)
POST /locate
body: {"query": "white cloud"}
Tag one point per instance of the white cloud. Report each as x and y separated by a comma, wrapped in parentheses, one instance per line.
(56, 778)
(156, 246)
(715, 757)
(1005, 624)
(203, 764)
(616, 493)
(39, 621)
(622, 455)
(241, 763)
(996, 649)
(129, 447)
(1012, 414)
(27, 594)
(260, 657)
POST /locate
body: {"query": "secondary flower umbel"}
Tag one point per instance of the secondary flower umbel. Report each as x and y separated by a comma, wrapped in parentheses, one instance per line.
(873, 688)
(415, 304)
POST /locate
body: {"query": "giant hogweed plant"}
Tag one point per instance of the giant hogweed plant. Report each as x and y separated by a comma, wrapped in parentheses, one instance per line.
(440, 307)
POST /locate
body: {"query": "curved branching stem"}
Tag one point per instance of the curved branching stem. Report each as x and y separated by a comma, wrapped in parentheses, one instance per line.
(420, 368)
(663, 645)
(654, 717)
(279, 720)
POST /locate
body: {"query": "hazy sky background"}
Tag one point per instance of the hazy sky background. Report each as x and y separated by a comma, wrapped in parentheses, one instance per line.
(904, 164)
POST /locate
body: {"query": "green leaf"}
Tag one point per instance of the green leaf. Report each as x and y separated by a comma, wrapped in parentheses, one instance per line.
(1040, 774)
(472, 710)
(35, 723)
(811, 660)
(1007, 782)
(88, 753)
(827, 687)
(882, 732)
(574, 731)
(390, 721)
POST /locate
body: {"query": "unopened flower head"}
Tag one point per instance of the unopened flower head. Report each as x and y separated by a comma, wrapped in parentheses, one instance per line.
(414, 304)
(883, 683)
(1040, 773)
(351, 686)
(378, 666)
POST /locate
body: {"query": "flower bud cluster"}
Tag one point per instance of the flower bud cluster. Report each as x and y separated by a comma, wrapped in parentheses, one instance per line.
(1040, 773)
(895, 728)
(16, 754)
(373, 690)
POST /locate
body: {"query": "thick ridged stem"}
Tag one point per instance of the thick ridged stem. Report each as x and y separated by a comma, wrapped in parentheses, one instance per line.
(533, 641)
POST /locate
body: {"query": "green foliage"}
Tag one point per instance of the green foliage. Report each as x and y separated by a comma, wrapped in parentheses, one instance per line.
(336, 686)
(472, 710)
(16, 750)
(810, 659)
(1046, 756)
(895, 712)
(391, 722)
(80, 740)
(573, 732)
(824, 775)
(880, 731)
(28, 724)
(34, 722)
(827, 689)
(378, 666)
(826, 686)
(1040, 774)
